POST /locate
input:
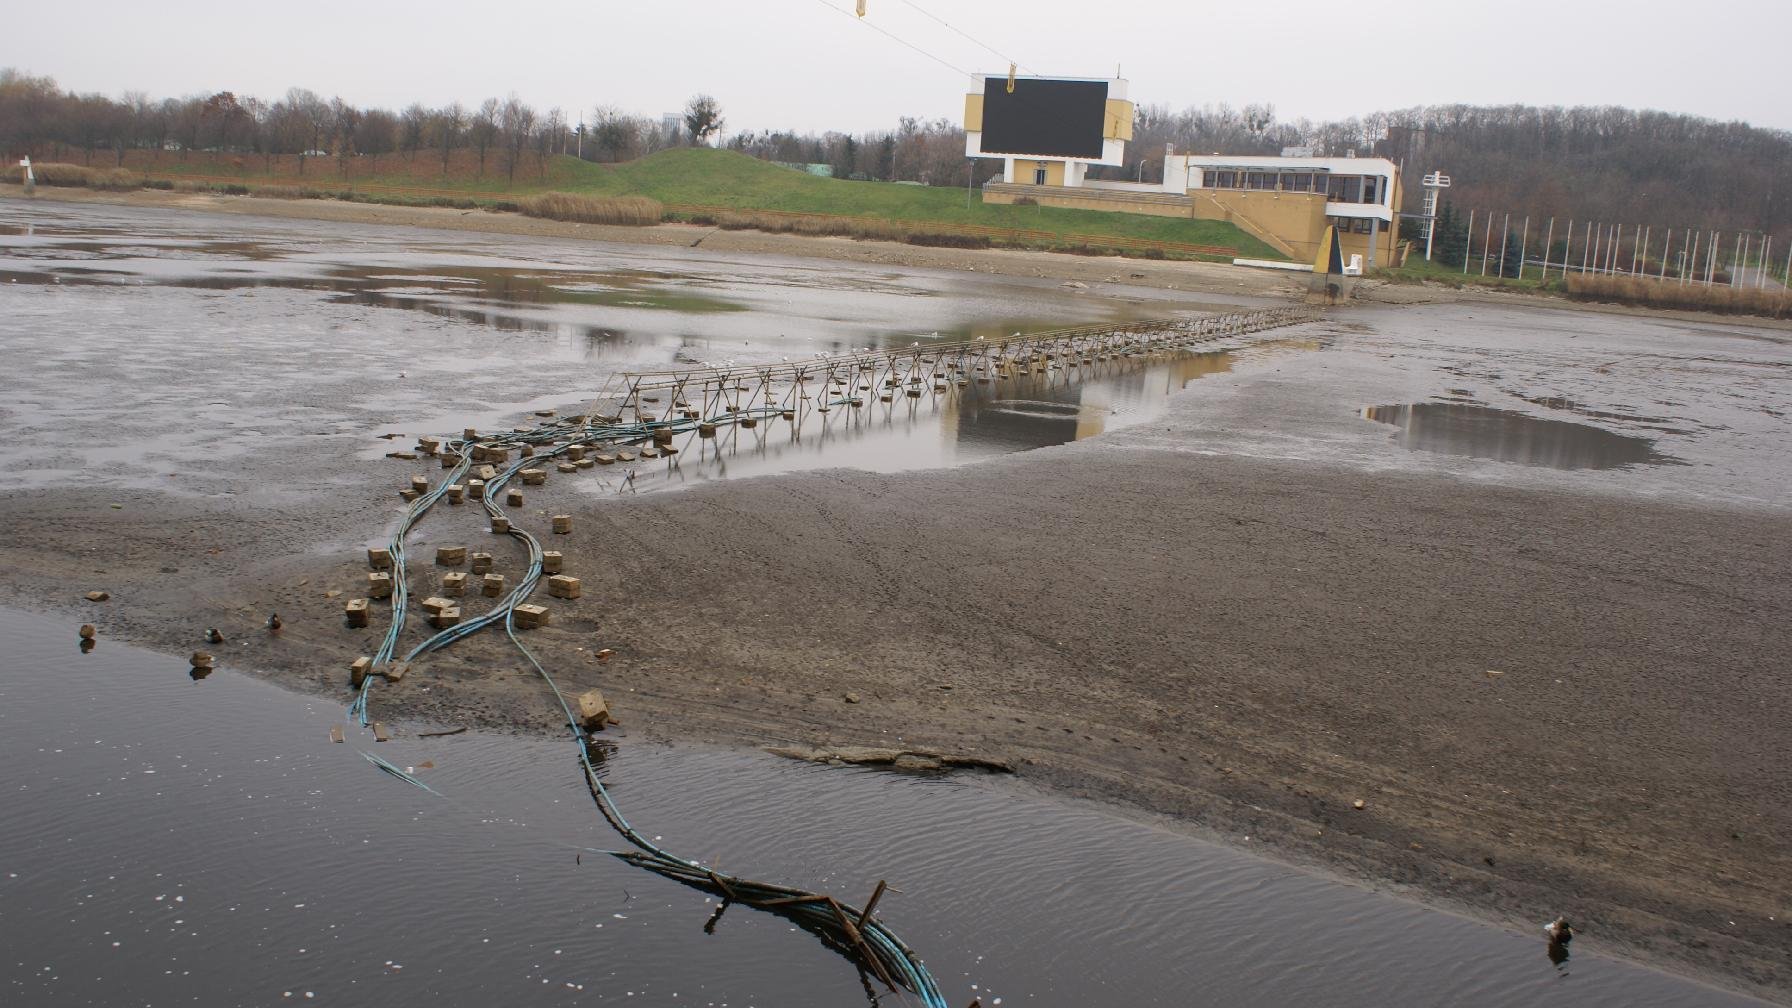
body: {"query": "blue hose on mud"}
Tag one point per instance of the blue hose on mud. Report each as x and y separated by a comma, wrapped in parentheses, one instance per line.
(850, 930)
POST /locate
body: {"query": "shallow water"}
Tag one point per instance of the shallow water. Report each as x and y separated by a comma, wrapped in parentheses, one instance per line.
(180, 351)
(205, 841)
(1510, 436)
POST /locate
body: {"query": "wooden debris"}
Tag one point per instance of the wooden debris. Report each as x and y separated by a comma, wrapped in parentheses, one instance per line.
(451, 556)
(551, 561)
(379, 585)
(594, 713)
(446, 618)
(355, 612)
(563, 586)
(336, 734)
(492, 585)
(562, 524)
(532, 616)
(379, 732)
(454, 585)
(379, 558)
(480, 563)
(358, 669)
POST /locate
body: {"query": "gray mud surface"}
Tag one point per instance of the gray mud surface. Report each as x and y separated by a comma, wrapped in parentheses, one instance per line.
(1555, 688)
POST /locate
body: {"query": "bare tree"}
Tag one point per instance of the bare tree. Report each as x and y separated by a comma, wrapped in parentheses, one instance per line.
(702, 119)
(484, 128)
(448, 122)
(516, 121)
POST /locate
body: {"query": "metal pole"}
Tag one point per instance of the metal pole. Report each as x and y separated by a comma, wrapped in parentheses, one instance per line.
(1468, 242)
(1687, 275)
(1638, 271)
(1736, 263)
(1549, 242)
(1505, 233)
(1636, 242)
(1486, 242)
(1524, 238)
(1567, 249)
(1766, 251)
(1667, 250)
(1588, 252)
(1611, 251)
(1711, 258)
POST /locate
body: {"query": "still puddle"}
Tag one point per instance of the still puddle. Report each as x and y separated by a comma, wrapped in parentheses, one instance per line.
(1455, 428)
(205, 841)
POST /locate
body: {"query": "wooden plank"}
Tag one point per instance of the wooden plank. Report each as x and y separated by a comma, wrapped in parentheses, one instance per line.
(379, 732)
(336, 733)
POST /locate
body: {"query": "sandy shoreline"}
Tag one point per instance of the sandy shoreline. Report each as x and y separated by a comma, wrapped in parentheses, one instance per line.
(1247, 644)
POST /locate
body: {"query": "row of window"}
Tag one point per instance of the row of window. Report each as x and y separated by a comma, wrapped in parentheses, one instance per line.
(1360, 225)
(1336, 188)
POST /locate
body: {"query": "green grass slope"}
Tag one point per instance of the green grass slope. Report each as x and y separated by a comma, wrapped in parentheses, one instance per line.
(705, 177)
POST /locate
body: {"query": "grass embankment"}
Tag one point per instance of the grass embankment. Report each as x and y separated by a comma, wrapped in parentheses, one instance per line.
(706, 186)
(1419, 270)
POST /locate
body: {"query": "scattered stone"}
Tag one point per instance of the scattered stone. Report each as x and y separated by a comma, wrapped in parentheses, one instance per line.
(88, 632)
(1359, 804)
(852, 698)
(874, 756)
(98, 596)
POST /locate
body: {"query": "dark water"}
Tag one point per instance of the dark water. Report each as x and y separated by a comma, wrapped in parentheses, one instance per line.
(171, 841)
(1510, 436)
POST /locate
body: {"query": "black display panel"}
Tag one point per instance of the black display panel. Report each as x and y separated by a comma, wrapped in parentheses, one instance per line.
(1048, 118)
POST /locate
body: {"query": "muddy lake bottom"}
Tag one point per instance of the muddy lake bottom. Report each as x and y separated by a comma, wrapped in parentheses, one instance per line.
(205, 841)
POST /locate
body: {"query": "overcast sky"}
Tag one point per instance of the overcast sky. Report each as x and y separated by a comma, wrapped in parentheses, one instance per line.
(799, 64)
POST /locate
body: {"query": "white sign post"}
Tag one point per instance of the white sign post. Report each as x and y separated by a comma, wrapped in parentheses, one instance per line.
(1433, 182)
(30, 179)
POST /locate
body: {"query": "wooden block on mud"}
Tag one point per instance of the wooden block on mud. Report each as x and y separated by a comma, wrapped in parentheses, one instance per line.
(513, 498)
(479, 563)
(410, 494)
(456, 493)
(379, 558)
(476, 488)
(594, 713)
(451, 556)
(355, 612)
(575, 452)
(551, 561)
(649, 452)
(563, 586)
(336, 734)
(379, 585)
(358, 669)
(394, 671)
(379, 732)
(625, 456)
(454, 585)
(487, 473)
(436, 603)
(534, 477)
(446, 618)
(562, 524)
(420, 484)
(531, 616)
(567, 467)
(492, 585)
(500, 525)
(450, 461)
(586, 463)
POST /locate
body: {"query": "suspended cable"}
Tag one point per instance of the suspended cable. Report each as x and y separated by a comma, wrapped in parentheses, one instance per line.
(965, 35)
(892, 35)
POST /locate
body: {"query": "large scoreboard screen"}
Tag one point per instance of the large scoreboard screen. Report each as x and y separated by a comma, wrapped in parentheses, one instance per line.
(1044, 118)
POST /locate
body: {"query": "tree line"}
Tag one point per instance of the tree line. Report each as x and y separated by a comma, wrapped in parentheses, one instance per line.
(1595, 163)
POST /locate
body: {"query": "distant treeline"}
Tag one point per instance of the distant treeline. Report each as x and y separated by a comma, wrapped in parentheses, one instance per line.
(1607, 164)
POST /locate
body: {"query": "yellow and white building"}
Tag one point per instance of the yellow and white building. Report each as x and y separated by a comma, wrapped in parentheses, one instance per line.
(1286, 202)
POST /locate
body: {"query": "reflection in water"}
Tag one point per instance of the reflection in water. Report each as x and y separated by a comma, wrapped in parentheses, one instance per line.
(1508, 436)
(937, 430)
